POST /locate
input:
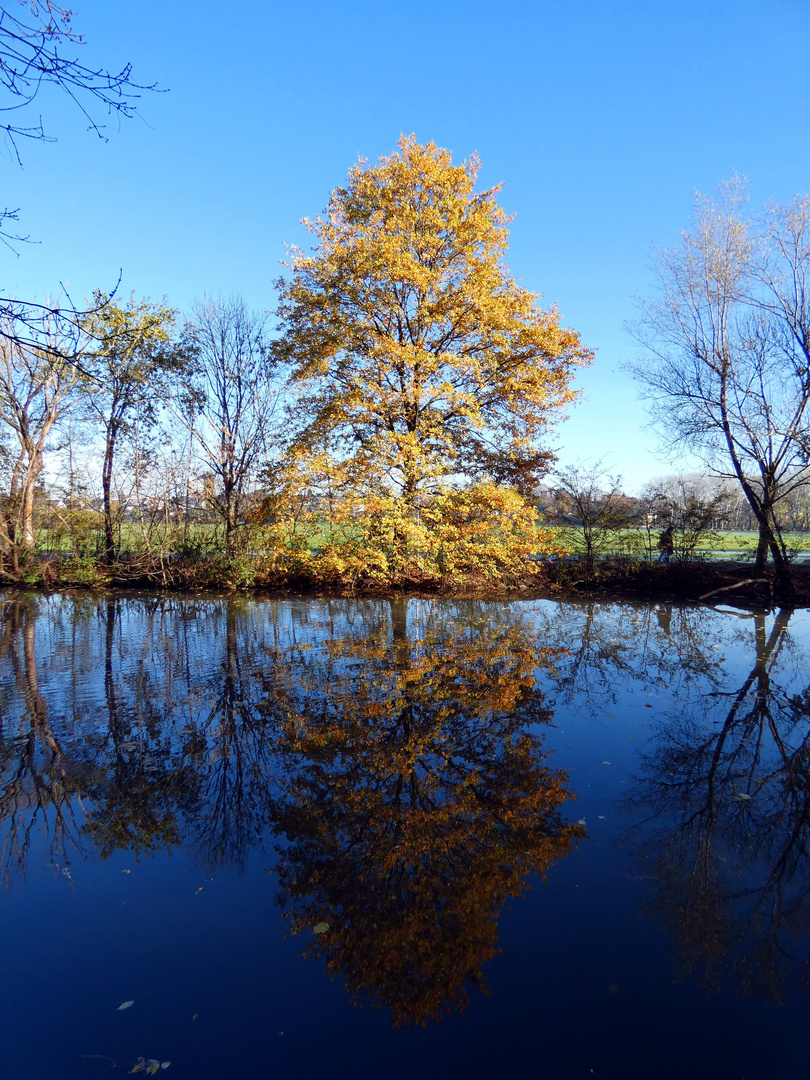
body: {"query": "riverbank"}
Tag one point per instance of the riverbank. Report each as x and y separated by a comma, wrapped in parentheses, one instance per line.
(710, 582)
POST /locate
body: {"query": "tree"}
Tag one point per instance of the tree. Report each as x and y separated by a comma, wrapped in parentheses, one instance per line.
(132, 356)
(418, 356)
(727, 364)
(587, 499)
(35, 384)
(230, 400)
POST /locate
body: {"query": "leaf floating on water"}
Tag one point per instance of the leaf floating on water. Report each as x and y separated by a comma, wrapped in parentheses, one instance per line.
(606, 763)
(741, 795)
(165, 1064)
(582, 821)
(125, 1005)
(148, 1066)
(320, 928)
(199, 890)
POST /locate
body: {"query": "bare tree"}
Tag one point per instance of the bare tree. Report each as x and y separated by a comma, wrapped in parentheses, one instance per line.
(592, 502)
(230, 401)
(694, 506)
(35, 388)
(727, 364)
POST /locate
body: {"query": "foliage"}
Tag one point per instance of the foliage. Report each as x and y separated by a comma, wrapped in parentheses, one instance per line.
(37, 383)
(480, 533)
(421, 364)
(126, 367)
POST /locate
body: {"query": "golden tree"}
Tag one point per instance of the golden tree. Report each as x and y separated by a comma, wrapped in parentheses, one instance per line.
(419, 359)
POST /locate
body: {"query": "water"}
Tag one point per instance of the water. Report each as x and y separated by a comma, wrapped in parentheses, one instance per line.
(562, 840)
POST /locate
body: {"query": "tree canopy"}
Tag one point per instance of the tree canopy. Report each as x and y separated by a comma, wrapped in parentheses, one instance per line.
(418, 357)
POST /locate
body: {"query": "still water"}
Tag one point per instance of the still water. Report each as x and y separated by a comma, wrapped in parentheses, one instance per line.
(336, 838)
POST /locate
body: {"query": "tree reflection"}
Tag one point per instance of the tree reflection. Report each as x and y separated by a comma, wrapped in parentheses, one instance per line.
(41, 781)
(728, 791)
(416, 801)
(155, 730)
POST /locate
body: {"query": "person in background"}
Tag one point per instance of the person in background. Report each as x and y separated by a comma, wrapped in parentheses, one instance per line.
(665, 545)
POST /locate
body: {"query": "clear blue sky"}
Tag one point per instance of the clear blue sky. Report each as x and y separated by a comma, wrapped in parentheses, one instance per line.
(600, 117)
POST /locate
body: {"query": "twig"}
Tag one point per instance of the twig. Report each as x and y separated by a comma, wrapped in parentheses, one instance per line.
(737, 585)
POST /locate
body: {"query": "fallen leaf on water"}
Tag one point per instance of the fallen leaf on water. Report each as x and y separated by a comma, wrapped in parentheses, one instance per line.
(148, 1066)
(582, 821)
(320, 928)
(126, 871)
(125, 1005)
(741, 795)
(602, 817)
(194, 1017)
(199, 890)
(606, 763)
(165, 1064)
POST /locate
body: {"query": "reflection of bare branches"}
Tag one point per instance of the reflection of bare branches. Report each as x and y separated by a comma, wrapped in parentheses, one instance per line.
(163, 741)
(38, 778)
(728, 791)
(237, 775)
(608, 648)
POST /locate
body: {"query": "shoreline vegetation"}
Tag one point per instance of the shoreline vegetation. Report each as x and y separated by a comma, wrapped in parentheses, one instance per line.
(391, 433)
(568, 577)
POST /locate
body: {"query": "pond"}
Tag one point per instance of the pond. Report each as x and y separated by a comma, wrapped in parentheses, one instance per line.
(300, 838)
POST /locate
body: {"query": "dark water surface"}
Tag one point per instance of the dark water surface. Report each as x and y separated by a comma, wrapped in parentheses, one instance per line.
(311, 838)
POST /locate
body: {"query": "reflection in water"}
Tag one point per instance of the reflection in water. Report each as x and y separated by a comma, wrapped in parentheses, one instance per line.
(727, 794)
(404, 765)
(390, 757)
(415, 802)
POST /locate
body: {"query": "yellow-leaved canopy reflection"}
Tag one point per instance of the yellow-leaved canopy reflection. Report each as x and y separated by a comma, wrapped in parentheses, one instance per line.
(417, 800)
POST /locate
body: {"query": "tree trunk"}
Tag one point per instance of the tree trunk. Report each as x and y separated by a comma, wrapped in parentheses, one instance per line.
(106, 488)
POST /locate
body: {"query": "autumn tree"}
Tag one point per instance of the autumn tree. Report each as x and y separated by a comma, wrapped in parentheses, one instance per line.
(418, 358)
(727, 352)
(130, 360)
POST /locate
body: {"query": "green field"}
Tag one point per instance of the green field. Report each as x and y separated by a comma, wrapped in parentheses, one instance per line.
(714, 544)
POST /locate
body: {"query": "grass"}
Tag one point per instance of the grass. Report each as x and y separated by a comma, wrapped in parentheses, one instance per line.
(717, 543)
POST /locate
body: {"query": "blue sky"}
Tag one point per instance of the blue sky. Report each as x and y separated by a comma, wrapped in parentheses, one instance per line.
(601, 119)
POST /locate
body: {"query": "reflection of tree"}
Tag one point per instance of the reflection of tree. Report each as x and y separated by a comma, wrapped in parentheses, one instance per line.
(134, 802)
(154, 727)
(38, 776)
(729, 791)
(416, 803)
(235, 721)
(610, 647)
